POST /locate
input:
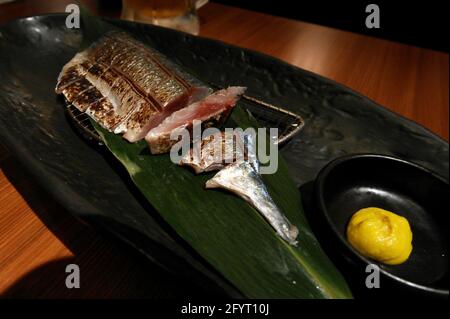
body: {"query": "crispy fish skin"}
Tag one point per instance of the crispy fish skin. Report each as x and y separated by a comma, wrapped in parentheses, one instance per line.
(125, 86)
(213, 108)
(75, 92)
(145, 74)
(70, 72)
(138, 64)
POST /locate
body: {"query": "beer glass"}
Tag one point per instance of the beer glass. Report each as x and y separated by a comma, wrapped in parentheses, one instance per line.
(175, 14)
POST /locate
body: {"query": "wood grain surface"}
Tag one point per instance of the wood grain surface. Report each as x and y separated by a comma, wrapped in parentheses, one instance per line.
(38, 238)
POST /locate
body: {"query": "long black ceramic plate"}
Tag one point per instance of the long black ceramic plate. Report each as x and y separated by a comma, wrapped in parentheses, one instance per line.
(92, 186)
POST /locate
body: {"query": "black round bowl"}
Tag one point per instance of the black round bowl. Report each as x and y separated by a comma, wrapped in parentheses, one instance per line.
(350, 183)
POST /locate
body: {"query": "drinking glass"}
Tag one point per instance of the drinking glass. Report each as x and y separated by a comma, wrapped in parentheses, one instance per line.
(175, 14)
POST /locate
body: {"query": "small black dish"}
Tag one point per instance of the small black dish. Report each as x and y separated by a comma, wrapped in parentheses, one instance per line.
(350, 183)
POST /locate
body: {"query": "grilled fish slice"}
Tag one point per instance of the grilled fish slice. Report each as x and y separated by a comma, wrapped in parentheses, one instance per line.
(70, 72)
(125, 86)
(214, 152)
(214, 107)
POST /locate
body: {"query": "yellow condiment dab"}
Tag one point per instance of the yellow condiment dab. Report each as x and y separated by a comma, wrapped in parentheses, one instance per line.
(381, 235)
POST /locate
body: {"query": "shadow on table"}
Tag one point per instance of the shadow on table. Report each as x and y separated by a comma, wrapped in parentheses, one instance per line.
(107, 269)
(48, 282)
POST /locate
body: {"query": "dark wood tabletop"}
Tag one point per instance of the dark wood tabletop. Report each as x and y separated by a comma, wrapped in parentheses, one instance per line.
(38, 238)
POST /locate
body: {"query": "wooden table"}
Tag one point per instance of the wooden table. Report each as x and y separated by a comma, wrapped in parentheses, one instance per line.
(38, 238)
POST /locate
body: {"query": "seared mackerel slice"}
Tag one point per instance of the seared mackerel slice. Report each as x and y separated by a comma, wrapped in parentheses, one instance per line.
(212, 109)
(125, 86)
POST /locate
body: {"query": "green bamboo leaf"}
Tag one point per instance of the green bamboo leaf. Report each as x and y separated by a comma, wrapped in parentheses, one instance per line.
(229, 233)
